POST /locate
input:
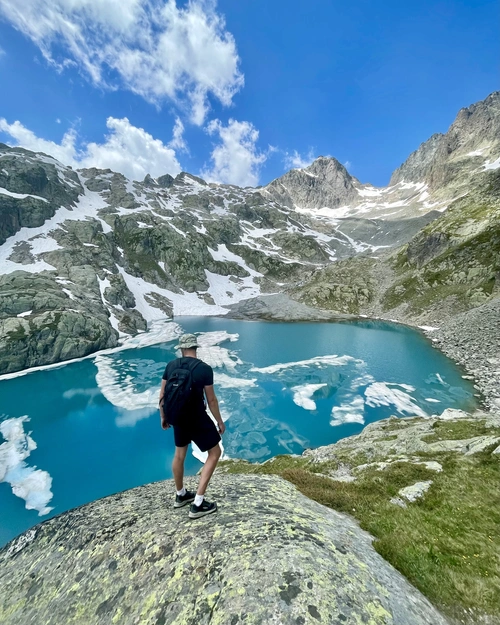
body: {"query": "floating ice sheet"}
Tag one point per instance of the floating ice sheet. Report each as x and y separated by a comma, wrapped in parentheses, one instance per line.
(302, 395)
(318, 361)
(384, 394)
(29, 483)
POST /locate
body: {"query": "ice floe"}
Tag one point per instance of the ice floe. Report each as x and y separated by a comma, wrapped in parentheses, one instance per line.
(381, 394)
(226, 381)
(318, 361)
(302, 395)
(118, 382)
(119, 389)
(349, 412)
(29, 483)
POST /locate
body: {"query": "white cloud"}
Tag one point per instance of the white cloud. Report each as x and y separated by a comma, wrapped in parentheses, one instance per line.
(152, 47)
(178, 142)
(348, 165)
(236, 159)
(126, 149)
(2, 52)
(297, 161)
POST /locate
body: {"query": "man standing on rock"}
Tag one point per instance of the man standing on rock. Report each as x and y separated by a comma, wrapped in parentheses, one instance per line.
(194, 425)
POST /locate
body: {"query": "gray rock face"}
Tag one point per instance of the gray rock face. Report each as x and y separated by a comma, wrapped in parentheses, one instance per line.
(52, 337)
(425, 247)
(279, 307)
(408, 436)
(44, 321)
(269, 556)
(324, 183)
(418, 165)
(37, 190)
(444, 159)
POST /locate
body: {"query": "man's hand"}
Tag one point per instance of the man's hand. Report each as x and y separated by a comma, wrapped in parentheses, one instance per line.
(164, 423)
(213, 404)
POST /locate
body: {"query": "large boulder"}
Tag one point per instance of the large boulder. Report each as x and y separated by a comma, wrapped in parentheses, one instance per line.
(269, 556)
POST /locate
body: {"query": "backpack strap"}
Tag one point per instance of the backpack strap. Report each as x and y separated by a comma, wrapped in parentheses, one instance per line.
(196, 364)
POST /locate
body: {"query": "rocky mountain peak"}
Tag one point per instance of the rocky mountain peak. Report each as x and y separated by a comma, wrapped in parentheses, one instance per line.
(447, 159)
(326, 182)
(185, 177)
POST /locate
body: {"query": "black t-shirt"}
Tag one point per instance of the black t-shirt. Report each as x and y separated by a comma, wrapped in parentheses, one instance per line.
(202, 376)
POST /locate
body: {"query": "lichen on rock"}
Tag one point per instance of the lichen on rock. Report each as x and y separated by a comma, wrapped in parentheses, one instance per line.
(269, 556)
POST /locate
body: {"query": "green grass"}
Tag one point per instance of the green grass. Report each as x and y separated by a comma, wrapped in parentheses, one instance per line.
(446, 544)
(19, 334)
(459, 430)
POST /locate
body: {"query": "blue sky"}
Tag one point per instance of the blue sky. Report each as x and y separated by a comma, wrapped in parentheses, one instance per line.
(240, 91)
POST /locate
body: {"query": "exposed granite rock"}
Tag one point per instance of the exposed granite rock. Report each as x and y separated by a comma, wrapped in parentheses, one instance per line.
(52, 337)
(399, 439)
(280, 307)
(269, 556)
(185, 177)
(424, 247)
(417, 166)
(45, 319)
(24, 176)
(324, 183)
(165, 181)
(345, 287)
(449, 159)
(111, 185)
(415, 491)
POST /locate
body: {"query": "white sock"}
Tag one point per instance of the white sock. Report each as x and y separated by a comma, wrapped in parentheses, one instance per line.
(181, 492)
(198, 500)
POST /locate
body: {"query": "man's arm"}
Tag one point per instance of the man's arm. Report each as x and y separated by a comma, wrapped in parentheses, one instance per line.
(213, 404)
(164, 424)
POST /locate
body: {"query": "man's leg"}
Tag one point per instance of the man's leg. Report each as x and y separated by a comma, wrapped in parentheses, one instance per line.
(178, 467)
(208, 469)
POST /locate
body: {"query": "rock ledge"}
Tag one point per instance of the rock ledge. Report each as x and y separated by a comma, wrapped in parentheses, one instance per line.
(269, 556)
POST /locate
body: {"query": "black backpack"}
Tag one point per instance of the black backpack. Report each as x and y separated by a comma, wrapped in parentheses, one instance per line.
(178, 391)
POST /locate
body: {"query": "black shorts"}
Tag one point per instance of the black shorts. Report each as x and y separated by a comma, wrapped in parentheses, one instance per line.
(201, 431)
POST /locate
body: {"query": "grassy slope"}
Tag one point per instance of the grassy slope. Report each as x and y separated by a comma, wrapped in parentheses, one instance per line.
(447, 544)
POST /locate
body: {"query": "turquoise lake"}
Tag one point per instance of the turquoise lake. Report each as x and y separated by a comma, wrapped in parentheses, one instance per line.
(75, 433)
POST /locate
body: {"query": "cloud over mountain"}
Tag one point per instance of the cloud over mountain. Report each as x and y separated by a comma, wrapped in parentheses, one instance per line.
(236, 159)
(127, 149)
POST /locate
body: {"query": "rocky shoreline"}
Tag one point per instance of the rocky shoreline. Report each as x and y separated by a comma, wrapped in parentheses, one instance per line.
(472, 339)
